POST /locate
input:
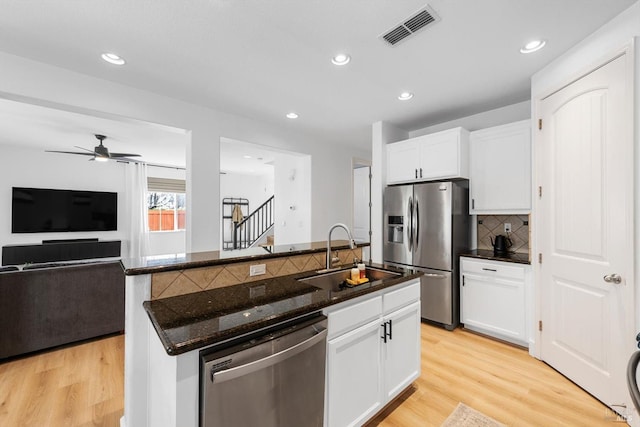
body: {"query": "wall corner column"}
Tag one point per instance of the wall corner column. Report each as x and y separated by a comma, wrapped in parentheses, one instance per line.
(382, 133)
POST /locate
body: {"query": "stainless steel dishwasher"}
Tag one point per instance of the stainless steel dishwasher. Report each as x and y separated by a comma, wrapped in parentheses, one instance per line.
(273, 378)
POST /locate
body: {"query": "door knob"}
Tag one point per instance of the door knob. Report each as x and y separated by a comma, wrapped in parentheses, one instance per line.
(613, 278)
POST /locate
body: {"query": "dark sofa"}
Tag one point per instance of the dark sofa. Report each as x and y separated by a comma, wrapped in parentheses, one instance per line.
(43, 306)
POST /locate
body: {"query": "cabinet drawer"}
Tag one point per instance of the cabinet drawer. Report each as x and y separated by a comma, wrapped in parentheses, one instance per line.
(401, 297)
(492, 268)
(354, 315)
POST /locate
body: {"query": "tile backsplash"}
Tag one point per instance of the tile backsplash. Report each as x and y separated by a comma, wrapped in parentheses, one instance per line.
(173, 283)
(490, 226)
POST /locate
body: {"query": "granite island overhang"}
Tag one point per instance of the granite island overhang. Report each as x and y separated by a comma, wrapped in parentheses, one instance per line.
(145, 347)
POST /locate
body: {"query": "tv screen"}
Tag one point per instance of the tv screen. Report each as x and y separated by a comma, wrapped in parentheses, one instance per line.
(41, 210)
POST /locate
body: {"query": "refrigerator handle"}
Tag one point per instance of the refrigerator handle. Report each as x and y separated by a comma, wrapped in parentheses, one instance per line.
(417, 226)
(410, 223)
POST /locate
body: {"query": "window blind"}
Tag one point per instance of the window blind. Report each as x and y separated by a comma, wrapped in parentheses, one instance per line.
(166, 185)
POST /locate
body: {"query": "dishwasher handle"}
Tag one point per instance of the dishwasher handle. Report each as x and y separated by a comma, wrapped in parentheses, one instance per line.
(238, 371)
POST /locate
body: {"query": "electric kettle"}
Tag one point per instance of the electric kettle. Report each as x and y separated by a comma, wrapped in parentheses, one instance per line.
(502, 244)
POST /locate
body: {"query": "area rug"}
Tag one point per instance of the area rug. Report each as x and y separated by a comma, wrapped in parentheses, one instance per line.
(465, 416)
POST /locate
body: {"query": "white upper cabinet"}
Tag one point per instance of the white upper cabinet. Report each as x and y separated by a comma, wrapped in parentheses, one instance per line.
(500, 169)
(440, 155)
(402, 161)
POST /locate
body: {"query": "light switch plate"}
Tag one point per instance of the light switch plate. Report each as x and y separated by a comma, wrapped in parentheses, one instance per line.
(257, 269)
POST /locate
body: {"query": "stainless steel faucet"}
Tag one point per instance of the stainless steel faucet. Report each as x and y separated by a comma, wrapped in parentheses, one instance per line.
(352, 243)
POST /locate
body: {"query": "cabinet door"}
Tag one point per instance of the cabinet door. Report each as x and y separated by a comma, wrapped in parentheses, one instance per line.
(444, 155)
(500, 170)
(402, 161)
(401, 352)
(495, 306)
(354, 376)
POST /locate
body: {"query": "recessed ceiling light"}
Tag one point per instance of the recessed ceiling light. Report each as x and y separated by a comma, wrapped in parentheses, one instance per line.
(532, 46)
(112, 58)
(341, 59)
(292, 115)
(405, 96)
(247, 157)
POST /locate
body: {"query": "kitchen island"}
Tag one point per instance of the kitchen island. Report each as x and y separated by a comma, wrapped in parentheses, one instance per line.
(164, 333)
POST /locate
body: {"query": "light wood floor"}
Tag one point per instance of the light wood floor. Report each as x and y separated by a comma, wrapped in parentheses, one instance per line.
(497, 379)
(83, 386)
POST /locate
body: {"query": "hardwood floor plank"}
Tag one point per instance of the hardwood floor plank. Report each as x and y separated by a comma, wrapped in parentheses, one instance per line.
(83, 385)
(495, 378)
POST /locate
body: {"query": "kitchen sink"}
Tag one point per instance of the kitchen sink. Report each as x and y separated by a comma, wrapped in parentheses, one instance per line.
(336, 280)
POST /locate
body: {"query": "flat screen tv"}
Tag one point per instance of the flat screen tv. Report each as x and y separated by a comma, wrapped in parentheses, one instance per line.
(41, 210)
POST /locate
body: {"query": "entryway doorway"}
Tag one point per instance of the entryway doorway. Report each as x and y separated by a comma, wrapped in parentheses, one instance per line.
(265, 196)
(361, 211)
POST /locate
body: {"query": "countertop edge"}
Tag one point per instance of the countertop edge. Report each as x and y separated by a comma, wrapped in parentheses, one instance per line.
(175, 349)
(490, 256)
(135, 271)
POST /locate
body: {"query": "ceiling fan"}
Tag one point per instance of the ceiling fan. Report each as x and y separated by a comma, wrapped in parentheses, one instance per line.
(100, 153)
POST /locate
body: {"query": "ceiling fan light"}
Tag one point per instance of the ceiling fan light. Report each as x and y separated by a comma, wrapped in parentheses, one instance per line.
(101, 159)
(112, 58)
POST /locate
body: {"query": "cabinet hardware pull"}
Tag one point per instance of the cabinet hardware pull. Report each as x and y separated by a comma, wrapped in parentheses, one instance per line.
(489, 269)
(384, 334)
(390, 330)
(420, 172)
(416, 173)
(473, 203)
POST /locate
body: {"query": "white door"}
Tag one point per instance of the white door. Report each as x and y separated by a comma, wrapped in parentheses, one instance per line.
(361, 198)
(584, 164)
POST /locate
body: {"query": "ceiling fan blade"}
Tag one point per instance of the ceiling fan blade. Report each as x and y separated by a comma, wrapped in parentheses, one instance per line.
(124, 155)
(82, 148)
(127, 160)
(69, 152)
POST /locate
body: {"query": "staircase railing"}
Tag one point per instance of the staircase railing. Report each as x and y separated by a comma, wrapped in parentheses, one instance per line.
(254, 225)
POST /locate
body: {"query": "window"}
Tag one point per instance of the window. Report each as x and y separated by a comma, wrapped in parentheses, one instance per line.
(166, 204)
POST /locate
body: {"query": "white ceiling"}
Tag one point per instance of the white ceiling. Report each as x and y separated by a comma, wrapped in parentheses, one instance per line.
(30, 125)
(262, 59)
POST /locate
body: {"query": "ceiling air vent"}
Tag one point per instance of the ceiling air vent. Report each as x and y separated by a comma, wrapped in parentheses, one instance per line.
(411, 25)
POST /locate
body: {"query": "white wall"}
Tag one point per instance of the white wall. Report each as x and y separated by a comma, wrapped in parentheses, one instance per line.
(486, 119)
(256, 188)
(293, 211)
(28, 167)
(24, 79)
(382, 134)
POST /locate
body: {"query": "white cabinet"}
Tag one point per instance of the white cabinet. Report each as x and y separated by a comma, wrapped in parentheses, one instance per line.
(354, 377)
(401, 352)
(373, 353)
(402, 161)
(438, 155)
(500, 170)
(493, 298)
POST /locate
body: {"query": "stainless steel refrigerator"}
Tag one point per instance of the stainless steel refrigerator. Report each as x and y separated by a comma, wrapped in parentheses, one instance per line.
(426, 226)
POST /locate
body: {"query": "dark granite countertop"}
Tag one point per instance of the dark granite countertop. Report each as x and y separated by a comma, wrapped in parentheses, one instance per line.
(172, 262)
(516, 257)
(192, 321)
